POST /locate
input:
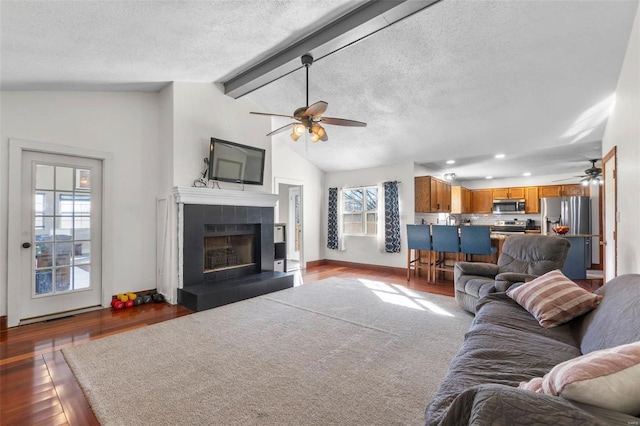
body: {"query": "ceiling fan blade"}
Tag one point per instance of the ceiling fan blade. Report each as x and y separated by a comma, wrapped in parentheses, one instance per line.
(316, 110)
(343, 122)
(563, 180)
(281, 129)
(272, 115)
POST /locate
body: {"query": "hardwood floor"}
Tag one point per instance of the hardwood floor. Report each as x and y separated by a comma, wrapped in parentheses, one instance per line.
(38, 388)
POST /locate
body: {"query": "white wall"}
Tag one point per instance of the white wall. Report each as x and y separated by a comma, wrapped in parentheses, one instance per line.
(201, 111)
(292, 168)
(623, 132)
(124, 124)
(360, 249)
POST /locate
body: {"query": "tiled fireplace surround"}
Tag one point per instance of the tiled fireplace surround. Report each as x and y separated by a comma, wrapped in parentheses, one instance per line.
(204, 212)
(226, 220)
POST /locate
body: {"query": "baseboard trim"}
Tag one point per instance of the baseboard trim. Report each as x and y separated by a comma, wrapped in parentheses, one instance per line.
(3, 322)
(377, 268)
(313, 263)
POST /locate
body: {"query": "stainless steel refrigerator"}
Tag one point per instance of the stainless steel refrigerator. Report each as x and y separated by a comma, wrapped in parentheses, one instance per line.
(574, 212)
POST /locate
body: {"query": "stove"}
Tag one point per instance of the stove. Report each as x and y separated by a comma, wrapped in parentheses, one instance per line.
(508, 227)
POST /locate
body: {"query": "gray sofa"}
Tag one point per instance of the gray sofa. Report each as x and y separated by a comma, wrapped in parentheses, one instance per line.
(505, 346)
(523, 257)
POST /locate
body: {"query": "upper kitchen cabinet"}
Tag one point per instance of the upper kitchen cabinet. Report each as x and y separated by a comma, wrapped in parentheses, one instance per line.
(549, 191)
(482, 201)
(460, 200)
(575, 191)
(508, 193)
(432, 195)
(531, 200)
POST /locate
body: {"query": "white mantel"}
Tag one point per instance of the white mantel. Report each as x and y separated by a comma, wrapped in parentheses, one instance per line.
(223, 197)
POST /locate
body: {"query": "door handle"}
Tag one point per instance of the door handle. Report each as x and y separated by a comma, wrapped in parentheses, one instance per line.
(26, 245)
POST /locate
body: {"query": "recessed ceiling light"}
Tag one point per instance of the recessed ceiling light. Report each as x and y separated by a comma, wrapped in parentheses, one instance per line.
(526, 174)
(489, 177)
(451, 161)
(499, 155)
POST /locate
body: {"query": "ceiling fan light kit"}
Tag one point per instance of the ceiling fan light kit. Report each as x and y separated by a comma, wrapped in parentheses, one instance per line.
(310, 116)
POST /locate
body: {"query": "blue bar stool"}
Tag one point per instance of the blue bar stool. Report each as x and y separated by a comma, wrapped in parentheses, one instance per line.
(446, 239)
(476, 240)
(418, 239)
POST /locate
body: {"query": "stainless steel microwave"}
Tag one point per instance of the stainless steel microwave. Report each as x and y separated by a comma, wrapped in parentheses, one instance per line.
(508, 207)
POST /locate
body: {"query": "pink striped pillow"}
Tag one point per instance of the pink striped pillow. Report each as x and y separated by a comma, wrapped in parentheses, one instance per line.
(554, 299)
(608, 378)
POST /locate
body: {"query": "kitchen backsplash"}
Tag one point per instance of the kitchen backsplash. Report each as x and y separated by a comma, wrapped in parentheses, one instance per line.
(475, 219)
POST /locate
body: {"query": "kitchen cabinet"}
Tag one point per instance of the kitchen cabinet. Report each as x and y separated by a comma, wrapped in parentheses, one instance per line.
(481, 201)
(550, 191)
(460, 200)
(531, 200)
(501, 193)
(508, 193)
(563, 191)
(432, 195)
(577, 190)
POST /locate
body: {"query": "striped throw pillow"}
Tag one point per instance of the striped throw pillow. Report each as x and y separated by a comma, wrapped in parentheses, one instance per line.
(608, 378)
(554, 299)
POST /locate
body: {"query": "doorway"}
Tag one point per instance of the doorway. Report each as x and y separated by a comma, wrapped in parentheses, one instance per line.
(56, 231)
(290, 212)
(61, 230)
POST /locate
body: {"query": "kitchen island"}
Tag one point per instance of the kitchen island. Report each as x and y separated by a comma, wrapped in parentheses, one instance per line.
(579, 256)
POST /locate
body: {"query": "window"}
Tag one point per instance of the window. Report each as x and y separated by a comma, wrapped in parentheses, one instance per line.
(360, 211)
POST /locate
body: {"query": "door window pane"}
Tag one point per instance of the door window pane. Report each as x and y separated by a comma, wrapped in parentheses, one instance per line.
(44, 255)
(63, 279)
(43, 282)
(65, 203)
(64, 178)
(44, 176)
(82, 252)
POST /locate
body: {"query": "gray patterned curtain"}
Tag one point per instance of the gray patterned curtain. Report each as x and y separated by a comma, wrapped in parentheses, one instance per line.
(332, 225)
(391, 218)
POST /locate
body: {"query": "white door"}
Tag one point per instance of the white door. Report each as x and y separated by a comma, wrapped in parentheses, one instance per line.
(610, 218)
(61, 234)
(294, 224)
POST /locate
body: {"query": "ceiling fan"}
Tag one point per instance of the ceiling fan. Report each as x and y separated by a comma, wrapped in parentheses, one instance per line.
(309, 117)
(592, 175)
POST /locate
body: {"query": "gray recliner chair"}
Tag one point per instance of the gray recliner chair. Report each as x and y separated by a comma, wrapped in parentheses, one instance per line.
(523, 257)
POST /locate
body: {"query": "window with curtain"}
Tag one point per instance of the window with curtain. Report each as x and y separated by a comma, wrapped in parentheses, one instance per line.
(360, 211)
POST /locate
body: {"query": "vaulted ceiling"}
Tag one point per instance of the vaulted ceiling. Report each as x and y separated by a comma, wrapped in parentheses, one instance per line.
(460, 80)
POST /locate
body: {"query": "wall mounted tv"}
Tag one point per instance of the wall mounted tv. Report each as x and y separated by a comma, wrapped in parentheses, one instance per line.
(233, 162)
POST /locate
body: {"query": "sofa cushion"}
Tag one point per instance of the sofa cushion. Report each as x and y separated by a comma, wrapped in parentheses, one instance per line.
(554, 299)
(616, 321)
(608, 378)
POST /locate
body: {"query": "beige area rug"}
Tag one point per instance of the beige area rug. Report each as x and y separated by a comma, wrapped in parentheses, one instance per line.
(335, 352)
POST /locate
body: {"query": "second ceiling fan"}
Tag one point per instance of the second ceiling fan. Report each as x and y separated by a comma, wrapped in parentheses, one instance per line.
(309, 117)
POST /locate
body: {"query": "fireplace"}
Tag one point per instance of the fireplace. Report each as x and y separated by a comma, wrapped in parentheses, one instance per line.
(225, 248)
(224, 242)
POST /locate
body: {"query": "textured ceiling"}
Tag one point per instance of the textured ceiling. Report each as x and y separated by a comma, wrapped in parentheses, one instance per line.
(461, 80)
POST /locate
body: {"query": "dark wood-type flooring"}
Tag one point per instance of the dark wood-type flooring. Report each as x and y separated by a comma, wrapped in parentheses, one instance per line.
(38, 388)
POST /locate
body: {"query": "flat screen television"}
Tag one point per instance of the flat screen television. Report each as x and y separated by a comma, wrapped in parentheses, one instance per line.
(233, 162)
